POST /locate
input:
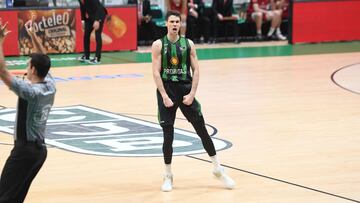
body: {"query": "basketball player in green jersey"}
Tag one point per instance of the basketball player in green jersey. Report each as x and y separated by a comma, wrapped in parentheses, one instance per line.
(176, 74)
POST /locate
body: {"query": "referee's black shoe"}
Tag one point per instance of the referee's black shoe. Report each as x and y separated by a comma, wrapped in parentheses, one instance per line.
(94, 61)
(83, 59)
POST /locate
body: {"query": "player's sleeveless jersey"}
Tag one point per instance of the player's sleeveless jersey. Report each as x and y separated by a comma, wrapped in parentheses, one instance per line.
(175, 60)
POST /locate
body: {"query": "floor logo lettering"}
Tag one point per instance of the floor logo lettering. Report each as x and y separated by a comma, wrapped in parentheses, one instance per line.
(91, 131)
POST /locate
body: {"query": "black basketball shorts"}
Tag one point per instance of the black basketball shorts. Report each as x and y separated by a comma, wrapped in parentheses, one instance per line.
(176, 92)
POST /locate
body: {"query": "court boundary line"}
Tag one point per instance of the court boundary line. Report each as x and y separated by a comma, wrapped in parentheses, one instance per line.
(337, 84)
(277, 179)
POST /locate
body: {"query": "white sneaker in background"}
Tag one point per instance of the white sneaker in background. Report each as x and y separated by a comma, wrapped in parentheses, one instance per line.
(168, 182)
(280, 36)
(220, 174)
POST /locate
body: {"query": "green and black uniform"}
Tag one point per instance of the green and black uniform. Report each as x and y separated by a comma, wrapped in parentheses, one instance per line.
(177, 79)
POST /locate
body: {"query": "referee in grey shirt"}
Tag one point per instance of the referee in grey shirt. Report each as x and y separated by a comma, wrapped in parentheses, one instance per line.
(36, 97)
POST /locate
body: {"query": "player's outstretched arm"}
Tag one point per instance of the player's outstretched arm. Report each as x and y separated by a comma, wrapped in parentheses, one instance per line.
(4, 73)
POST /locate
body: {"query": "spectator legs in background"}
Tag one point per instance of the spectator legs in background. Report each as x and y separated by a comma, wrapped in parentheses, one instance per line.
(198, 29)
(204, 28)
(258, 18)
(274, 31)
(146, 33)
(224, 26)
(192, 31)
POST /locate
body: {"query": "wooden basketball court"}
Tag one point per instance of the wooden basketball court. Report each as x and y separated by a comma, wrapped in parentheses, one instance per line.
(294, 134)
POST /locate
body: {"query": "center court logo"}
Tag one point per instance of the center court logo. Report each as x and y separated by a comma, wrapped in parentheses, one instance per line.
(91, 131)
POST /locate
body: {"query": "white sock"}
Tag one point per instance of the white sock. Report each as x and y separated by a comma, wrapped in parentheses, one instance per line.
(215, 161)
(258, 32)
(168, 169)
(271, 31)
(278, 31)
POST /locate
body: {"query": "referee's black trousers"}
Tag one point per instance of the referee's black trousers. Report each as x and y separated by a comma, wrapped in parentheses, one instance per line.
(20, 169)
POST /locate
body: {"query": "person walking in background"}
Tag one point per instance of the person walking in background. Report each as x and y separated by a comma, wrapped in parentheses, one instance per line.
(176, 75)
(93, 15)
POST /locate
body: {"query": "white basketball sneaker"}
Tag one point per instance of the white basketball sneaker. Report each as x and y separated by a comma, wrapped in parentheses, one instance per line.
(279, 36)
(168, 182)
(220, 174)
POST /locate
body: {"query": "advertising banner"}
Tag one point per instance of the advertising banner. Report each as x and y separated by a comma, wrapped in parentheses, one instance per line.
(119, 32)
(325, 21)
(60, 30)
(55, 30)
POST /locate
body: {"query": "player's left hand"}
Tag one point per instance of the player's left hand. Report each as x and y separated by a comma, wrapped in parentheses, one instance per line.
(3, 30)
(188, 99)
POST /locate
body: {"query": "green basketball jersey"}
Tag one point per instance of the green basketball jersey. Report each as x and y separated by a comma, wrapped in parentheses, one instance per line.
(175, 60)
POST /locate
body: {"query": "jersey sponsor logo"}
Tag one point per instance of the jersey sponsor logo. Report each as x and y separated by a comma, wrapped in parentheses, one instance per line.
(174, 60)
(92, 131)
(172, 71)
